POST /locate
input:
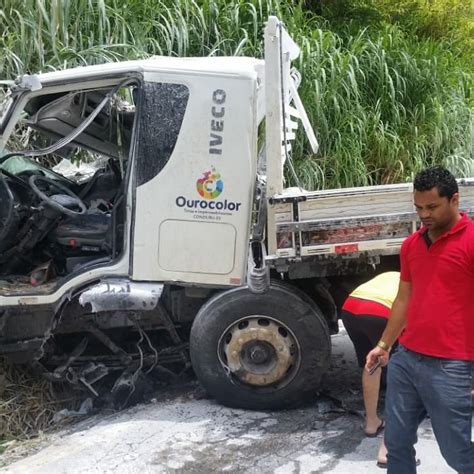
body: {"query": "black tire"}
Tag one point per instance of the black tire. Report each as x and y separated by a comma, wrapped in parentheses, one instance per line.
(291, 324)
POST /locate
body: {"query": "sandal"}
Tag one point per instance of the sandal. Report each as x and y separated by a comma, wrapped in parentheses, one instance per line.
(377, 431)
(383, 465)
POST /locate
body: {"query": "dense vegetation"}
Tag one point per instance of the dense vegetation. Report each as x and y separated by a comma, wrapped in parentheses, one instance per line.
(388, 84)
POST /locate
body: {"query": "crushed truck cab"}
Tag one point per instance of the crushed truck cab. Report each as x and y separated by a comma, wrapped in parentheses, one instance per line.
(176, 140)
(145, 227)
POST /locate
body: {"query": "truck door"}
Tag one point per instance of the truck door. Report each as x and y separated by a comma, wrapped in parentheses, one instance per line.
(195, 173)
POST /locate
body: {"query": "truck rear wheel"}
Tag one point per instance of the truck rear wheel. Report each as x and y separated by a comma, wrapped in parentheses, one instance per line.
(260, 351)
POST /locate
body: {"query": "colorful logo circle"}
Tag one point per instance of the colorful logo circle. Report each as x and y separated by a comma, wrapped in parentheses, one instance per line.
(210, 184)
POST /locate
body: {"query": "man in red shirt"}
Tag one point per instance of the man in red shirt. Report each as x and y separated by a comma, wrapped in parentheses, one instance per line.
(432, 371)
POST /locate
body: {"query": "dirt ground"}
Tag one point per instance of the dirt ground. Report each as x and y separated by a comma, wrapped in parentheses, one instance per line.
(181, 431)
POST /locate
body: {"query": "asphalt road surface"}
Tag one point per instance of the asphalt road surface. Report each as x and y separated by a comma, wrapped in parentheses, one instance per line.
(181, 431)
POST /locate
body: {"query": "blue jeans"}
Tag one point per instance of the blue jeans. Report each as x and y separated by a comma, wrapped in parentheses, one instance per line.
(418, 385)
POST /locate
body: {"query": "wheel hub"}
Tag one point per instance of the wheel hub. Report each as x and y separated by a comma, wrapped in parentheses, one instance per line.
(259, 351)
(258, 354)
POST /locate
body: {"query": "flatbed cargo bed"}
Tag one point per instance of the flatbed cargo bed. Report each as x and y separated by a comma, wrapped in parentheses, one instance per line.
(373, 220)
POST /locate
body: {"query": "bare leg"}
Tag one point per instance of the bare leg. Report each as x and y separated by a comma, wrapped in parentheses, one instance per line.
(370, 390)
(382, 454)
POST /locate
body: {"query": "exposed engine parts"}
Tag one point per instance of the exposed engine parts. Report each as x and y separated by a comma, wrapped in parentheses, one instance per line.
(115, 350)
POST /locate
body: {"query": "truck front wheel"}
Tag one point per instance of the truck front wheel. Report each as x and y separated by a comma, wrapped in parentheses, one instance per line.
(260, 351)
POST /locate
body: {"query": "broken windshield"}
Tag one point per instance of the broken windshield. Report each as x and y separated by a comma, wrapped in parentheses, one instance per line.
(16, 165)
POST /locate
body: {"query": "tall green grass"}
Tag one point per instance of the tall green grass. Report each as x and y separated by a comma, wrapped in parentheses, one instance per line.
(50, 34)
(384, 103)
(385, 106)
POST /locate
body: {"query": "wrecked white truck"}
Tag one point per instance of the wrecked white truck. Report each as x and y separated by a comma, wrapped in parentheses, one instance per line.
(183, 247)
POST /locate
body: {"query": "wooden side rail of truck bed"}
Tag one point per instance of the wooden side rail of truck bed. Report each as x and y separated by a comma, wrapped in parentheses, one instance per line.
(373, 219)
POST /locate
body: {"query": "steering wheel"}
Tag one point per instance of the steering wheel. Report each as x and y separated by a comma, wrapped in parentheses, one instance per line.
(66, 202)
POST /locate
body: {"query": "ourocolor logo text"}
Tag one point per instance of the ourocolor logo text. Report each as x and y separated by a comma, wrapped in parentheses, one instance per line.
(209, 186)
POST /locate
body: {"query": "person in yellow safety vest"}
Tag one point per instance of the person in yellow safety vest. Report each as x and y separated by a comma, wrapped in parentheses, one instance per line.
(365, 314)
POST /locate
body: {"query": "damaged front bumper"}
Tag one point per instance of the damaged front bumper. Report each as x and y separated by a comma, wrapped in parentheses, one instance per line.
(105, 338)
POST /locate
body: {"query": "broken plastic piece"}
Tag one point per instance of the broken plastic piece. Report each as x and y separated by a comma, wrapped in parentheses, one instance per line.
(110, 295)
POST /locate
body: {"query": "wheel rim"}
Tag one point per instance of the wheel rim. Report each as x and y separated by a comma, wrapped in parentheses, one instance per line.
(259, 351)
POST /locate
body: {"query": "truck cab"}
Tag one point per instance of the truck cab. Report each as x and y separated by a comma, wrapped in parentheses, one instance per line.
(172, 145)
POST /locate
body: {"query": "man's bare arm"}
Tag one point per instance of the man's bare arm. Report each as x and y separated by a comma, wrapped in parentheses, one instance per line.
(395, 325)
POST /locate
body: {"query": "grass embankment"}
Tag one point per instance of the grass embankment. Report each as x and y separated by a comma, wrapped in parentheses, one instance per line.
(387, 87)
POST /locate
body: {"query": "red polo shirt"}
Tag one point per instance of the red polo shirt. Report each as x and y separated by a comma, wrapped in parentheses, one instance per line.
(440, 320)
